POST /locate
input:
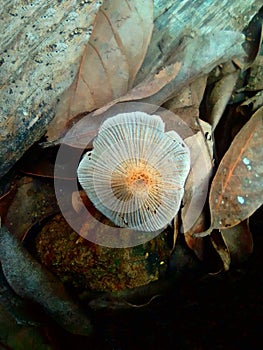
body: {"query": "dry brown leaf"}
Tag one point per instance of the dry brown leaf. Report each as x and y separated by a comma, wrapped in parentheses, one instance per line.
(220, 96)
(82, 133)
(221, 249)
(252, 45)
(252, 104)
(196, 188)
(255, 80)
(197, 243)
(30, 280)
(33, 201)
(212, 48)
(197, 183)
(237, 188)
(175, 76)
(176, 231)
(148, 87)
(187, 103)
(199, 56)
(110, 61)
(239, 241)
(190, 96)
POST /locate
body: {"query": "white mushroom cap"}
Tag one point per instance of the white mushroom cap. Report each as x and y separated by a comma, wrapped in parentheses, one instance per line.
(136, 172)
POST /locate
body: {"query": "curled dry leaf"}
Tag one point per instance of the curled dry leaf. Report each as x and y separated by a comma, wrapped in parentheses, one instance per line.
(221, 249)
(196, 187)
(255, 80)
(239, 241)
(199, 56)
(252, 104)
(252, 44)
(190, 96)
(110, 61)
(148, 87)
(176, 231)
(212, 49)
(197, 183)
(237, 188)
(197, 243)
(220, 96)
(32, 281)
(187, 103)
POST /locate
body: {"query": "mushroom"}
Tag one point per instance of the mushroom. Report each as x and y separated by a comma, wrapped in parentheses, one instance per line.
(136, 172)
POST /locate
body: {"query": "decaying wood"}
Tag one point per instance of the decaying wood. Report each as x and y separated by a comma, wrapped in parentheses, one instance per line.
(39, 55)
(175, 20)
(43, 43)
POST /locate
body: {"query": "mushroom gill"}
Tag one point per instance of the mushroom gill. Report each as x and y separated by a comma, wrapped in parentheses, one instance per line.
(136, 172)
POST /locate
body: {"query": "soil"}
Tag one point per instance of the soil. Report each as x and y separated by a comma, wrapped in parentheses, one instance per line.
(214, 311)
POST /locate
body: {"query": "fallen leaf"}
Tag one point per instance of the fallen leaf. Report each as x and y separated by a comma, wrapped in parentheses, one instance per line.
(193, 212)
(212, 48)
(220, 96)
(110, 61)
(186, 105)
(252, 104)
(32, 281)
(197, 183)
(33, 200)
(190, 96)
(81, 135)
(197, 243)
(221, 249)
(147, 88)
(255, 81)
(237, 188)
(199, 56)
(252, 44)
(239, 241)
(176, 231)
(14, 304)
(5, 202)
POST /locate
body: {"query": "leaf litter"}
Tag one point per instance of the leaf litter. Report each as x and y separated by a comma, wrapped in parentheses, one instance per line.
(212, 48)
(237, 188)
(110, 60)
(186, 71)
(239, 241)
(32, 281)
(220, 96)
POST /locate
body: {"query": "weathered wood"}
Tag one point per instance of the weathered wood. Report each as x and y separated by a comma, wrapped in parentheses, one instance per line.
(43, 42)
(40, 50)
(175, 20)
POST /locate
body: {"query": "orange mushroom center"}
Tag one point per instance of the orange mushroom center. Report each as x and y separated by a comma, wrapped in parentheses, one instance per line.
(139, 182)
(135, 178)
